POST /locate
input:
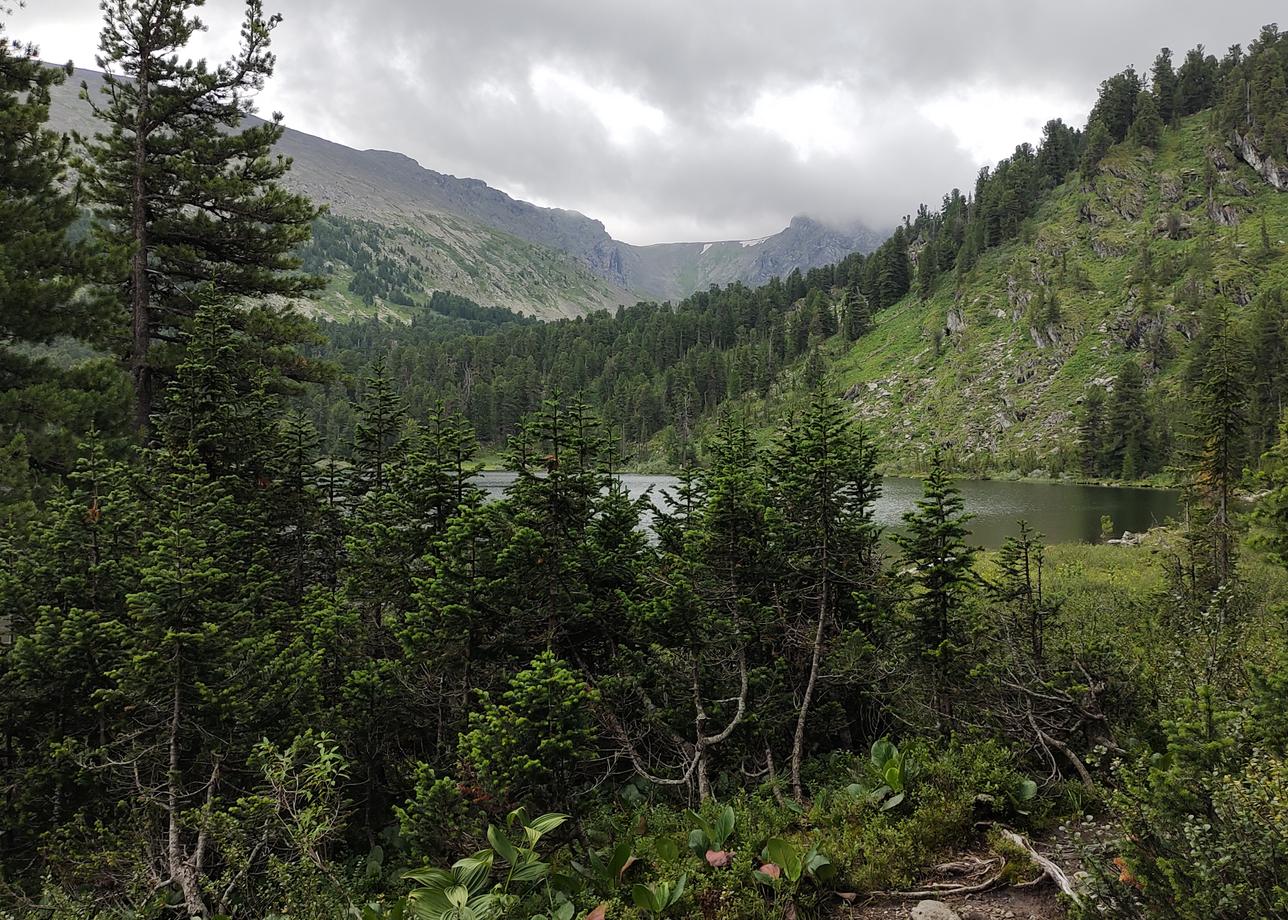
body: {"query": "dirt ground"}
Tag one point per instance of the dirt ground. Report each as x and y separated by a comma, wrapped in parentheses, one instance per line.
(1063, 846)
(1003, 904)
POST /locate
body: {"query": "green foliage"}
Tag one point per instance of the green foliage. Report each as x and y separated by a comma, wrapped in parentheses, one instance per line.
(189, 192)
(492, 882)
(938, 566)
(711, 835)
(436, 818)
(527, 746)
(659, 897)
(1203, 826)
(890, 774)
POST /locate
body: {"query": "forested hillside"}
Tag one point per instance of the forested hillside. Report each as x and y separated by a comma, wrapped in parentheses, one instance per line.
(267, 651)
(1053, 320)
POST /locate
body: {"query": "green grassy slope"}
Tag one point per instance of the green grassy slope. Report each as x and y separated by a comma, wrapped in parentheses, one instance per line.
(971, 368)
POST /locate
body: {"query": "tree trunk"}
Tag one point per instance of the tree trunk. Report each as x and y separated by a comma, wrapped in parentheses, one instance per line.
(798, 742)
(182, 870)
(140, 295)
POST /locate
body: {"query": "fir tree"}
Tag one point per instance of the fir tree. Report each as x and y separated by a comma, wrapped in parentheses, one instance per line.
(1130, 451)
(857, 318)
(1147, 126)
(1220, 444)
(1091, 432)
(1165, 85)
(1098, 143)
(939, 565)
(1271, 515)
(378, 435)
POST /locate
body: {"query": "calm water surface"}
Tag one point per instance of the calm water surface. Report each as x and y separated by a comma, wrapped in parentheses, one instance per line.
(1064, 513)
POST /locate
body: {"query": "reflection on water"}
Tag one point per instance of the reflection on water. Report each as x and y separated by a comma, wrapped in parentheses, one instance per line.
(1064, 513)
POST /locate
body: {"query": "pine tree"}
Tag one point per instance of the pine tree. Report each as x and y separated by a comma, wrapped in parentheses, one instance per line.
(192, 194)
(939, 566)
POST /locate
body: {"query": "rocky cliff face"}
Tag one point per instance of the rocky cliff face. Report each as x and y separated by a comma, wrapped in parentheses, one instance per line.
(1272, 168)
(500, 250)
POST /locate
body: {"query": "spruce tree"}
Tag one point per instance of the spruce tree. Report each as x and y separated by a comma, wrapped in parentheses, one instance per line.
(857, 317)
(379, 432)
(1130, 451)
(939, 567)
(189, 190)
(1219, 444)
(1147, 126)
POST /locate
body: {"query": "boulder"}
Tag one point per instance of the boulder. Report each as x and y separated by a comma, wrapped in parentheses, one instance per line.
(1248, 148)
(933, 910)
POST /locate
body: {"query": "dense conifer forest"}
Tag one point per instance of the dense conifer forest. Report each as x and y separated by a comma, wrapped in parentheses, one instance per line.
(267, 651)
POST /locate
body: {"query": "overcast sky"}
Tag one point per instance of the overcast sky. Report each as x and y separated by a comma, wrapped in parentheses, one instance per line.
(695, 119)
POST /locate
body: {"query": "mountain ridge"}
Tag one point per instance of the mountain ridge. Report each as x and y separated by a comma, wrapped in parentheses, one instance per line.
(477, 240)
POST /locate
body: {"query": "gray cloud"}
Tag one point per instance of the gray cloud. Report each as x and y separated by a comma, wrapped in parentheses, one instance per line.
(698, 120)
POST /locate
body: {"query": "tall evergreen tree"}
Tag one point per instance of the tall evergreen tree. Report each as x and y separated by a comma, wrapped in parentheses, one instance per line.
(1164, 85)
(190, 191)
(939, 569)
(1147, 126)
(1220, 443)
(379, 433)
(43, 281)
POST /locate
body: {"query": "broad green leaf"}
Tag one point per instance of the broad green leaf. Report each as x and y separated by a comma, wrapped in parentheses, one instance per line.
(502, 845)
(892, 802)
(724, 826)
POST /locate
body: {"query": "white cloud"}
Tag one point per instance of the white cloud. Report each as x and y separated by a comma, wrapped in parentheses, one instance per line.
(988, 120)
(624, 117)
(720, 119)
(812, 120)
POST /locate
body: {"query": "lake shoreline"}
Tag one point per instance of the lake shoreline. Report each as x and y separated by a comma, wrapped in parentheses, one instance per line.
(1063, 511)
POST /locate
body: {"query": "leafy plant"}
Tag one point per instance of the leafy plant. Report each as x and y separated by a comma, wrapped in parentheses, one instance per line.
(711, 837)
(890, 774)
(786, 870)
(468, 890)
(605, 873)
(785, 865)
(659, 897)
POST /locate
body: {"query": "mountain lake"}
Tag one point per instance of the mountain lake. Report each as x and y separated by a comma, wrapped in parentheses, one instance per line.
(1062, 512)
